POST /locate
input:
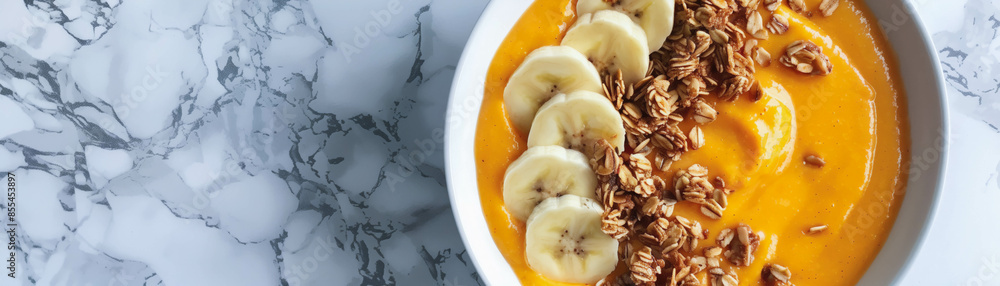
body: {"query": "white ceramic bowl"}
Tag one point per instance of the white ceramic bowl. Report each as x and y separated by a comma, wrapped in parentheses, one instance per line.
(918, 66)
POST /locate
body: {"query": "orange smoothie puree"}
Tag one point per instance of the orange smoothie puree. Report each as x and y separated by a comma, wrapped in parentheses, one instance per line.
(851, 118)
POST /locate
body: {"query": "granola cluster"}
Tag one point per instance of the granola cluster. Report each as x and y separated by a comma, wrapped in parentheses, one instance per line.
(712, 50)
(639, 206)
(692, 185)
(739, 244)
(806, 57)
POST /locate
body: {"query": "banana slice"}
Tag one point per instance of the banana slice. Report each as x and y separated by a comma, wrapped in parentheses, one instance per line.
(564, 241)
(611, 41)
(656, 17)
(545, 72)
(577, 121)
(544, 172)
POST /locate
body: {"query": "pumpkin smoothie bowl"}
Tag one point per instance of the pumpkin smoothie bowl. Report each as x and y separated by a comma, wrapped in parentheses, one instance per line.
(692, 142)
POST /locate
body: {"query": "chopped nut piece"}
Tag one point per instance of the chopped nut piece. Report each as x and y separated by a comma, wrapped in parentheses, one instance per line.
(817, 229)
(762, 57)
(739, 244)
(828, 6)
(778, 24)
(815, 161)
(774, 273)
(719, 182)
(804, 68)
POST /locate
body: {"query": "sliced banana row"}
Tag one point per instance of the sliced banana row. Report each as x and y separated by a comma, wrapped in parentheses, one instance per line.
(557, 96)
(544, 172)
(612, 42)
(607, 37)
(564, 241)
(577, 120)
(656, 17)
(546, 72)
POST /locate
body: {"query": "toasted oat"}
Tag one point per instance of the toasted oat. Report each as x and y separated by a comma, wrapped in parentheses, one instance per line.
(710, 213)
(704, 113)
(817, 229)
(755, 26)
(613, 224)
(716, 261)
(720, 199)
(749, 46)
(697, 138)
(772, 5)
(659, 102)
(643, 267)
(730, 280)
(815, 161)
(661, 162)
(719, 277)
(651, 206)
(828, 6)
(718, 36)
(799, 6)
(778, 24)
(691, 280)
(804, 68)
(713, 251)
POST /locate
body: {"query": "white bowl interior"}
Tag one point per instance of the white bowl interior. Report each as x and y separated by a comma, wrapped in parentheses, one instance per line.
(925, 94)
(927, 110)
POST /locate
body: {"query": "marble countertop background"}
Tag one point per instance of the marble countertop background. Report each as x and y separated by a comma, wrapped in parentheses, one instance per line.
(294, 142)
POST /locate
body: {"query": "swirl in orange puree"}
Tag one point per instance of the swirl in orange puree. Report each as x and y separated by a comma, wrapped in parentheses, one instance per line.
(851, 118)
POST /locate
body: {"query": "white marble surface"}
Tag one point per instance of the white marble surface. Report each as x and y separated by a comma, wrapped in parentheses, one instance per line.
(227, 142)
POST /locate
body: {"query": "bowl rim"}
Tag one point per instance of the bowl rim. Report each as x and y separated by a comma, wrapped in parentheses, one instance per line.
(466, 204)
(942, 164)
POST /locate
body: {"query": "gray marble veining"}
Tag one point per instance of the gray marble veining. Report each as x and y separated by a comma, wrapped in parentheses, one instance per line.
(231, 142)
